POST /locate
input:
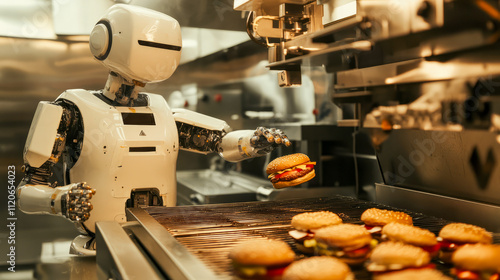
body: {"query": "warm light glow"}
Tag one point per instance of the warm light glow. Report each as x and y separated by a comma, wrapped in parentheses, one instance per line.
(428, 70)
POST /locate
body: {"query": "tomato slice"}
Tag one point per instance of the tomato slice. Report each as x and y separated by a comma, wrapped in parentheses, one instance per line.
(432, 249)
(468, 275)
(275, 271)
(449, 245)
(358, 252)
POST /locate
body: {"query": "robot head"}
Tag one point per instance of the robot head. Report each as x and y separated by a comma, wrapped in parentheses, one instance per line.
(137, 43)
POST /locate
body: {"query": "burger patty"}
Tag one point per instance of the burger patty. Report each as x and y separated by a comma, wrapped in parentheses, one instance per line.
(292, 174)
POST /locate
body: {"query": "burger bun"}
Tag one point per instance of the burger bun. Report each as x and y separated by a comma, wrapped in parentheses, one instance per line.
(315, 220)
(399, 254)
(266, 252)
(381, 217)
(409, 234)
(465, 233)
(478, 257)
(318, 268)
(344, 235)
(413, 274)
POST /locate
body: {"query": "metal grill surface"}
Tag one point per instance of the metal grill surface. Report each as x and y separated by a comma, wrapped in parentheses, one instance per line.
(210, 231)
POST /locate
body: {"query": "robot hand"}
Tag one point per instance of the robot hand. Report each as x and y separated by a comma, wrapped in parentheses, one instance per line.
(75, 204)
(266, 139)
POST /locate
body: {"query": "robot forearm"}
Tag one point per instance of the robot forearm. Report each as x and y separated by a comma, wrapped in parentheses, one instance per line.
(242, 144)
(70, 201)
(235, 146)
(40, 199)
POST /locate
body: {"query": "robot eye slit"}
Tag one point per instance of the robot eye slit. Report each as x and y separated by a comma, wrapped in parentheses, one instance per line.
(159, 45)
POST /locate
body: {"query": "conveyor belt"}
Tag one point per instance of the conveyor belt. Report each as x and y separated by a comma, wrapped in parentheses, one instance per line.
(210, 231)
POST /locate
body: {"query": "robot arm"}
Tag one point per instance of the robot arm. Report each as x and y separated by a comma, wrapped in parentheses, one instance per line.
(242, 144)
(204, 134)
(44, 146)
(70, 201)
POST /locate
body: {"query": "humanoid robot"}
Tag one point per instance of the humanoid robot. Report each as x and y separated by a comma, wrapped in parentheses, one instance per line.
(120, 141)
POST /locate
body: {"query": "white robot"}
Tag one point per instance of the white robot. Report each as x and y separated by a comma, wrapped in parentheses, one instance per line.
(120, 141)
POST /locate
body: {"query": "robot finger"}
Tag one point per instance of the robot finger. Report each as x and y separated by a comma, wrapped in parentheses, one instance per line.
(87, 188)
(259, 131)
(254, 141)
(286, 142)
(277, 134)
(270, 138)
(75, 192)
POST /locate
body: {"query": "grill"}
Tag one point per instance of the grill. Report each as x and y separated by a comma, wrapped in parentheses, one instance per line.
(210, 231)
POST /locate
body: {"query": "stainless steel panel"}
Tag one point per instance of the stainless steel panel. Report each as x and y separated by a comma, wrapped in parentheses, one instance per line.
(211, 186)
(171, 257)
(450, 208)
(461, 164)
(118, 257)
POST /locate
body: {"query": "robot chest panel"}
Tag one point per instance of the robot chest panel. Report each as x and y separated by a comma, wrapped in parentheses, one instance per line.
(121, 141)
(126, 132)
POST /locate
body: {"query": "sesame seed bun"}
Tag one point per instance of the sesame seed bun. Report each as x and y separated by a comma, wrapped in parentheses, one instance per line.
(295, 182)
(478, 257)
(397, 253)
(266, 252)
(285, 162)
(318, 268)
(465, 233)
(413, 274)
(381, 217)
(409, 234)
(315, 220)
(344, 235)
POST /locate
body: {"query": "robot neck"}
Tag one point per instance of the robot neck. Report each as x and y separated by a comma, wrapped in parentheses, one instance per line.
(120, 90)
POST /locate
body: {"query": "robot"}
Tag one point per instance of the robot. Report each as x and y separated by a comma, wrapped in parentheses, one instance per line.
(118, 147)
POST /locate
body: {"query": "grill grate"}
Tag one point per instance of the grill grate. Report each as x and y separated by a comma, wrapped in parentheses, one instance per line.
(210, 231)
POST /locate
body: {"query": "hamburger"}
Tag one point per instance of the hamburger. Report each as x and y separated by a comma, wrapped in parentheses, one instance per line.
(348, 242)
(264, 259)
(290, 170)
(413, 274)
(375, 219)
(477, 262)
(396, 256)
(412, 235)
(306, 224)
(454, 235)
(318, 268)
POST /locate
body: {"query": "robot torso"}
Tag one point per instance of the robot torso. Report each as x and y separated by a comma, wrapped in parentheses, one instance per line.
(124, 149)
